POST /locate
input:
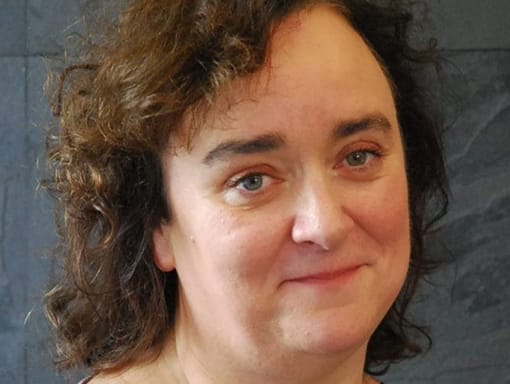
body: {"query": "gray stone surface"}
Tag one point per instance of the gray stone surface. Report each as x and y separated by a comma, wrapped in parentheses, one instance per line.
(13, 189)
(12, 28)
(38, 348)
(12, 356)
(468, 24)
(468, 305)
(26, 229)
(50, 23)
(12, 180)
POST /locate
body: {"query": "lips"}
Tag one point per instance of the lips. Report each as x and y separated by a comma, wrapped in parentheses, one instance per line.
(326, 276)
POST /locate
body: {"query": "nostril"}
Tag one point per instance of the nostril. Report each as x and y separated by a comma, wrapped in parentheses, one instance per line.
(320, 217)
(325, 230)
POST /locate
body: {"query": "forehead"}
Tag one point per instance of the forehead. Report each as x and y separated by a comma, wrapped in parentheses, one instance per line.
(320, 43)
(316, 63)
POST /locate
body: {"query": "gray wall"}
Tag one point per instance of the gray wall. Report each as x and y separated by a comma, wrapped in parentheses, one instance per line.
(468, 304)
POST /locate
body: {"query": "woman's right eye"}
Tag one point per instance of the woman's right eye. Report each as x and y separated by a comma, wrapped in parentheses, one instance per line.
(249, 188)
(250, 183)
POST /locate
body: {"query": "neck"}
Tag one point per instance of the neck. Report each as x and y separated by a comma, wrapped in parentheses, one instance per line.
(184, 362)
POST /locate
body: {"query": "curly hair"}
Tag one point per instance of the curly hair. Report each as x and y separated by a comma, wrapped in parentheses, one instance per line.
(122, 101)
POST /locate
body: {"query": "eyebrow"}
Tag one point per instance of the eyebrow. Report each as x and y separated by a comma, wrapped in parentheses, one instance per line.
(272, 141)
(260, 144)
(372, 122)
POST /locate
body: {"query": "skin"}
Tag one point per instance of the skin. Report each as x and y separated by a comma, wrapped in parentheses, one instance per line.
(290, 222)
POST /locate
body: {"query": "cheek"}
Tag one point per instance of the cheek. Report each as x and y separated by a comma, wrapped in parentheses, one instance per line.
(384, 218)
(393, 219)
(237, 248)
(385, 225)
(249, 243)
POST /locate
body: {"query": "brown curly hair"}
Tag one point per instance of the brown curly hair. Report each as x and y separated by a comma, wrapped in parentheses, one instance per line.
(122, 101)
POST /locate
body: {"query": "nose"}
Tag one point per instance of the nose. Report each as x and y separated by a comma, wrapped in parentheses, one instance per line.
(321, 217)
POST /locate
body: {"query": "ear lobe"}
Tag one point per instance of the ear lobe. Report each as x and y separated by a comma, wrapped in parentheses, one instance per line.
(162, 248)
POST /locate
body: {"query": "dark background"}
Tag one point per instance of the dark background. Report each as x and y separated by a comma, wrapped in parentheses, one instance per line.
(467, 306)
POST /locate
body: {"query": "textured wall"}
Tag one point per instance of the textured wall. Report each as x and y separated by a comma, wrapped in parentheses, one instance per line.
(468, 305)
(28, 30)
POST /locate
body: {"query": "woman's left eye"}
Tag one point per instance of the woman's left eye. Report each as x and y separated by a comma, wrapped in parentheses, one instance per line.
(360, 158)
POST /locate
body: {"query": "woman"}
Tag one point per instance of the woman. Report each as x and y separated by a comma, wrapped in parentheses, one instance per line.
(243, 188)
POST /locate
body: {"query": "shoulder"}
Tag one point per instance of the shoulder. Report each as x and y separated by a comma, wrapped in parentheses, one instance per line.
(103, 380)
(130, 376)
(110, 379)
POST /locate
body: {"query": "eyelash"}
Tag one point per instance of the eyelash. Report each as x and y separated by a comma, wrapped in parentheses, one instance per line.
(373, 151)
(236, 182)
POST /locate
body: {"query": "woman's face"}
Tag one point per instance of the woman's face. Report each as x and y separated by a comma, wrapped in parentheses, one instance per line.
(289, 223)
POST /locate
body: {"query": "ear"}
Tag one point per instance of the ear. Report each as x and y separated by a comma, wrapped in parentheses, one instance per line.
(162, 248)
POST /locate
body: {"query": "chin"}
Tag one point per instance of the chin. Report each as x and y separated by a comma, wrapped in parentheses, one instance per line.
(332, 332)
